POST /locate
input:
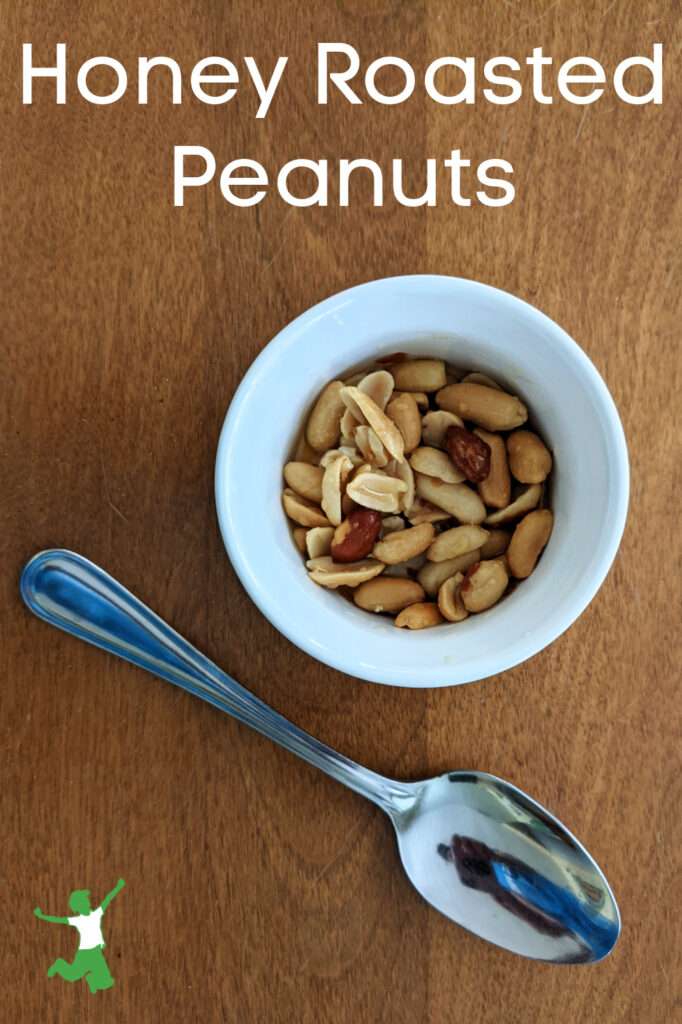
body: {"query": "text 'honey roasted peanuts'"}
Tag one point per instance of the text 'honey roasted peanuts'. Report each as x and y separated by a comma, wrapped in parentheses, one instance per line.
(419, 375)
(318, 541)
(496, 488)
(324, 423)
(419, 616)
(457, 499)
(302, 511)
(529, 459)
(435, 426)
(387, 594)
(458, 541)
(484, 406)
(305, 479)
(330, 574)
(526, 501)
(355, 537)
(404, 544)
(450, 603)
(404, 412)
(528, 540)
(376, 490)
(436, 463)
(469, 453)
(483, 585)
(434, 574)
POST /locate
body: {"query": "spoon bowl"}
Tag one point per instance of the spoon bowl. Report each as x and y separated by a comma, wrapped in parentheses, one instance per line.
(483, 853)
(477, 848)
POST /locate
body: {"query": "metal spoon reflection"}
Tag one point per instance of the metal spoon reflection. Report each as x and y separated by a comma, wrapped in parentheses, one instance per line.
(476, 847)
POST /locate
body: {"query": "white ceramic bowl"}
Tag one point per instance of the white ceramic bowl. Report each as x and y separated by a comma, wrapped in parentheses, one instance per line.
(474, 326)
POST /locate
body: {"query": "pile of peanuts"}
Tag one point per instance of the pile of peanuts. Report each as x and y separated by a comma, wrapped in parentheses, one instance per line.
(415, 492)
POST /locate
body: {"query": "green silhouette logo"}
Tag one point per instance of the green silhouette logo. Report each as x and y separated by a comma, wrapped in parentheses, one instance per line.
(89, 961)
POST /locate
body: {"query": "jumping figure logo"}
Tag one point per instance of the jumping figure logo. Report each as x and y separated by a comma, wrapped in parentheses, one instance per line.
(89, 961)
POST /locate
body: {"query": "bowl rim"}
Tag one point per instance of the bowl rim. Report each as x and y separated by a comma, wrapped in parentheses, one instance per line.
(613, 430)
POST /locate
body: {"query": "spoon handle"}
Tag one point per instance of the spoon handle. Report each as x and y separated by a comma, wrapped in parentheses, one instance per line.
(70, 592)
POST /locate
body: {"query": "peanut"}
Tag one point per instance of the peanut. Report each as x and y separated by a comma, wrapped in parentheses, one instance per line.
(376, 490)
(300, 533)
(484, 406)
(458, 541)
(529, 459)
(391, 524)
(457, 499)
(419, 375)
(527, 500)
(480, 378)
(420, 398)
(496, 488)
(434, 574)
(528, 540)
(403, 471)
(324, 422)
(450, 602)
(436, 463)
(318, 541)
(469, 453)
(305, 479)
(355, 537)
(404, 544)
(370, 447)
(404, 412)
(435, 426)
(421, 511)
(419, 616)
(363, 407)
(301, 511)
(483, 585)
(496, 544)
(387, 594)
(327, 573)
(378, 386)
(333, 484)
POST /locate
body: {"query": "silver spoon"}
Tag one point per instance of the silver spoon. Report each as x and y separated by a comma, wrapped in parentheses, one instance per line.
(477, 848)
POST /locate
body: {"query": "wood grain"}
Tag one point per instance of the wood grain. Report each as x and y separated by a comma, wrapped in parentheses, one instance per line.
(258, 889)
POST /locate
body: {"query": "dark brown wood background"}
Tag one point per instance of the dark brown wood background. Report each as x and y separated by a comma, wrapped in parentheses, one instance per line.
(257, 889)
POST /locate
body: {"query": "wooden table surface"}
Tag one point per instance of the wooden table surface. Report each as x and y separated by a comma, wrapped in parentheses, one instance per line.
(256, 888)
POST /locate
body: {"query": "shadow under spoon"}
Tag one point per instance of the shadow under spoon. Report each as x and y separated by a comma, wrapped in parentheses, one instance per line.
(478, 849)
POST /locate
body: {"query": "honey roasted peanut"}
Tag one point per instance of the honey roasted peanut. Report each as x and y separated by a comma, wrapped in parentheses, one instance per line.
(495, 489)
(399, 491)
(387, 594)
(529, 459)
(528, 540)
(419, 375)
(404, 412)
(458, 541)
(486, 407)
(305, 479)
(483, 585)
(324, 422)
(354, 538)
(470, 453)
(419, 616)
(403, 545)
(450, 603)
